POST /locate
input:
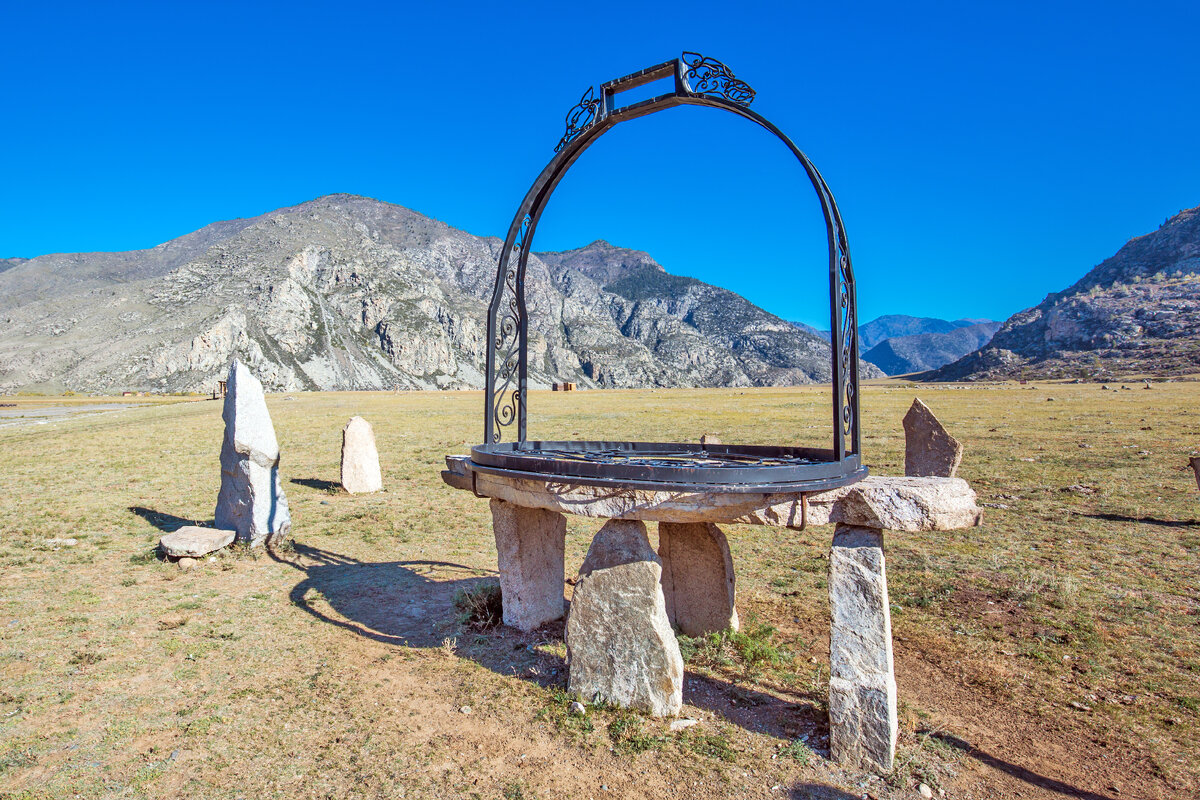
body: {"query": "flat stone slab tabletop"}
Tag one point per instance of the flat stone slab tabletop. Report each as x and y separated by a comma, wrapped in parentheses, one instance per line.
(903, 504)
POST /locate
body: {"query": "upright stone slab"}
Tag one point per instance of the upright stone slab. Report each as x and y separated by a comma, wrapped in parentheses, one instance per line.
(929, 451)
(862, 685)
(360, 458)
(620, 646)
(1195, 462)
(251, 501)
(697, 577)
(530, 547)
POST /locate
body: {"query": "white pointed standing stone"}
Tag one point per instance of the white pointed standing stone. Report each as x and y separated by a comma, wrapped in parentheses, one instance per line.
(360, 458)
(251, 501)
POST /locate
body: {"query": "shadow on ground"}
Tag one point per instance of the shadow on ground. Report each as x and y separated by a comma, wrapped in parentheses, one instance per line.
(320, 484)
(411, 604)
(1021, 773)
(167, 522)
(815, 791)
(1166, 523)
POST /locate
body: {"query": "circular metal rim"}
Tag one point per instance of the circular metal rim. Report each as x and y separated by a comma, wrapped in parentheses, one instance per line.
(823, 472)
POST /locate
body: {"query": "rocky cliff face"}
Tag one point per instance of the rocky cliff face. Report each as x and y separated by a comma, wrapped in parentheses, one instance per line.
(1136, 313)
(345, 292)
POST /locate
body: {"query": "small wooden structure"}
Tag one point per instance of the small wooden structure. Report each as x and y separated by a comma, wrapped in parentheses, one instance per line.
(565, 386)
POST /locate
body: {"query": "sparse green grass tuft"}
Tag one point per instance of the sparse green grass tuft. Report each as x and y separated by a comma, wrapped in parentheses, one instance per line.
(480, 607)
(627, 732)
(798, 750)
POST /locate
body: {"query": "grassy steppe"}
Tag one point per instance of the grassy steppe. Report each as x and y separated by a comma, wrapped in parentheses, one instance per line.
(1054, 651)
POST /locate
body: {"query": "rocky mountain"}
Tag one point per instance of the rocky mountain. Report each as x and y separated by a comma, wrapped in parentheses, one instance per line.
(893, 325)
(346, 292)
(9, 263)
(900, 355)
(1137, 312)
(899, 344)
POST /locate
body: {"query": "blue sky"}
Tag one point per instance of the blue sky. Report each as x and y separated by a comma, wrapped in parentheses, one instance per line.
(983, 154)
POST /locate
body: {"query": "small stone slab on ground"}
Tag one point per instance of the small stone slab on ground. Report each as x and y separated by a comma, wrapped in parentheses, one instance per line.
(192, 541)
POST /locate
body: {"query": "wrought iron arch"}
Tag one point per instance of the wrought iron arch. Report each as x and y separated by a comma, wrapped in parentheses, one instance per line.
(699, 81)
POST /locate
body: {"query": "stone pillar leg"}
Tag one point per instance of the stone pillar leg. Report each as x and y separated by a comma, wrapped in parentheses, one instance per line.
(862, 685)
(620, 646)
(530, 544)
(697, 577)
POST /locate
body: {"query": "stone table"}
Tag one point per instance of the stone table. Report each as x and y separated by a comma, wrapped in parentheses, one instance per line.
(615, 638)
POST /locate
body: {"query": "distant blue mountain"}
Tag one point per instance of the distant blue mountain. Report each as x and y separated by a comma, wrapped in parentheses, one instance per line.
(899, 344)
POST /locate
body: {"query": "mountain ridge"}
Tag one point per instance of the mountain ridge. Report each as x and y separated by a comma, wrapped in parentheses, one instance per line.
(899, 344)
(1136, 312)
(349, 292)
(901, 355)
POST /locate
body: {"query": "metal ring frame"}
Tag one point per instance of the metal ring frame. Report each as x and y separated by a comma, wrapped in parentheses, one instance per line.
(699, 81)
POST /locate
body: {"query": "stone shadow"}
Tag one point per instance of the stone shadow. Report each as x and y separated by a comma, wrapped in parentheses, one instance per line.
(320, 484)
(411, 604)
(1021, 773)
(816, 791)
(1166, 523)
(167, 523)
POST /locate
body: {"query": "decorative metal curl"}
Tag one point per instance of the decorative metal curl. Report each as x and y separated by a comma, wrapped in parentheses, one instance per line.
(509, 331)
(711, 78)
(580, 117)
(849, 334)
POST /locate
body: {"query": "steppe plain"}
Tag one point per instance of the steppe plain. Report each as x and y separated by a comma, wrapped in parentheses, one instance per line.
(1052, 652)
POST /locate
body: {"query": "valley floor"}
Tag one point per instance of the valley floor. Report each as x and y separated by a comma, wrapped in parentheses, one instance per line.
(1053, 652)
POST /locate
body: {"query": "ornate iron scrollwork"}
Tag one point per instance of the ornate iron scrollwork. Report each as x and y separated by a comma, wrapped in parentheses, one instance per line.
(579, 117)
(510, 328)
(698, 81)
(711, 78)
(849, 333)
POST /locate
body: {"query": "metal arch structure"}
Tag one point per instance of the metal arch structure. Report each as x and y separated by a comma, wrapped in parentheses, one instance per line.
(698, 81)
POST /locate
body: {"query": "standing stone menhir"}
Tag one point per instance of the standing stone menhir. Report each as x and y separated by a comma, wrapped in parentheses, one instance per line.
(360, 458)
(530, 553)
(620, 646)
(862, 680)
(929, 451)
(251, 501)
(697, 577)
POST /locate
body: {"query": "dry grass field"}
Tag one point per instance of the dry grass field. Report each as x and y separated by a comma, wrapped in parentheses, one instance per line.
(1053, 652)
